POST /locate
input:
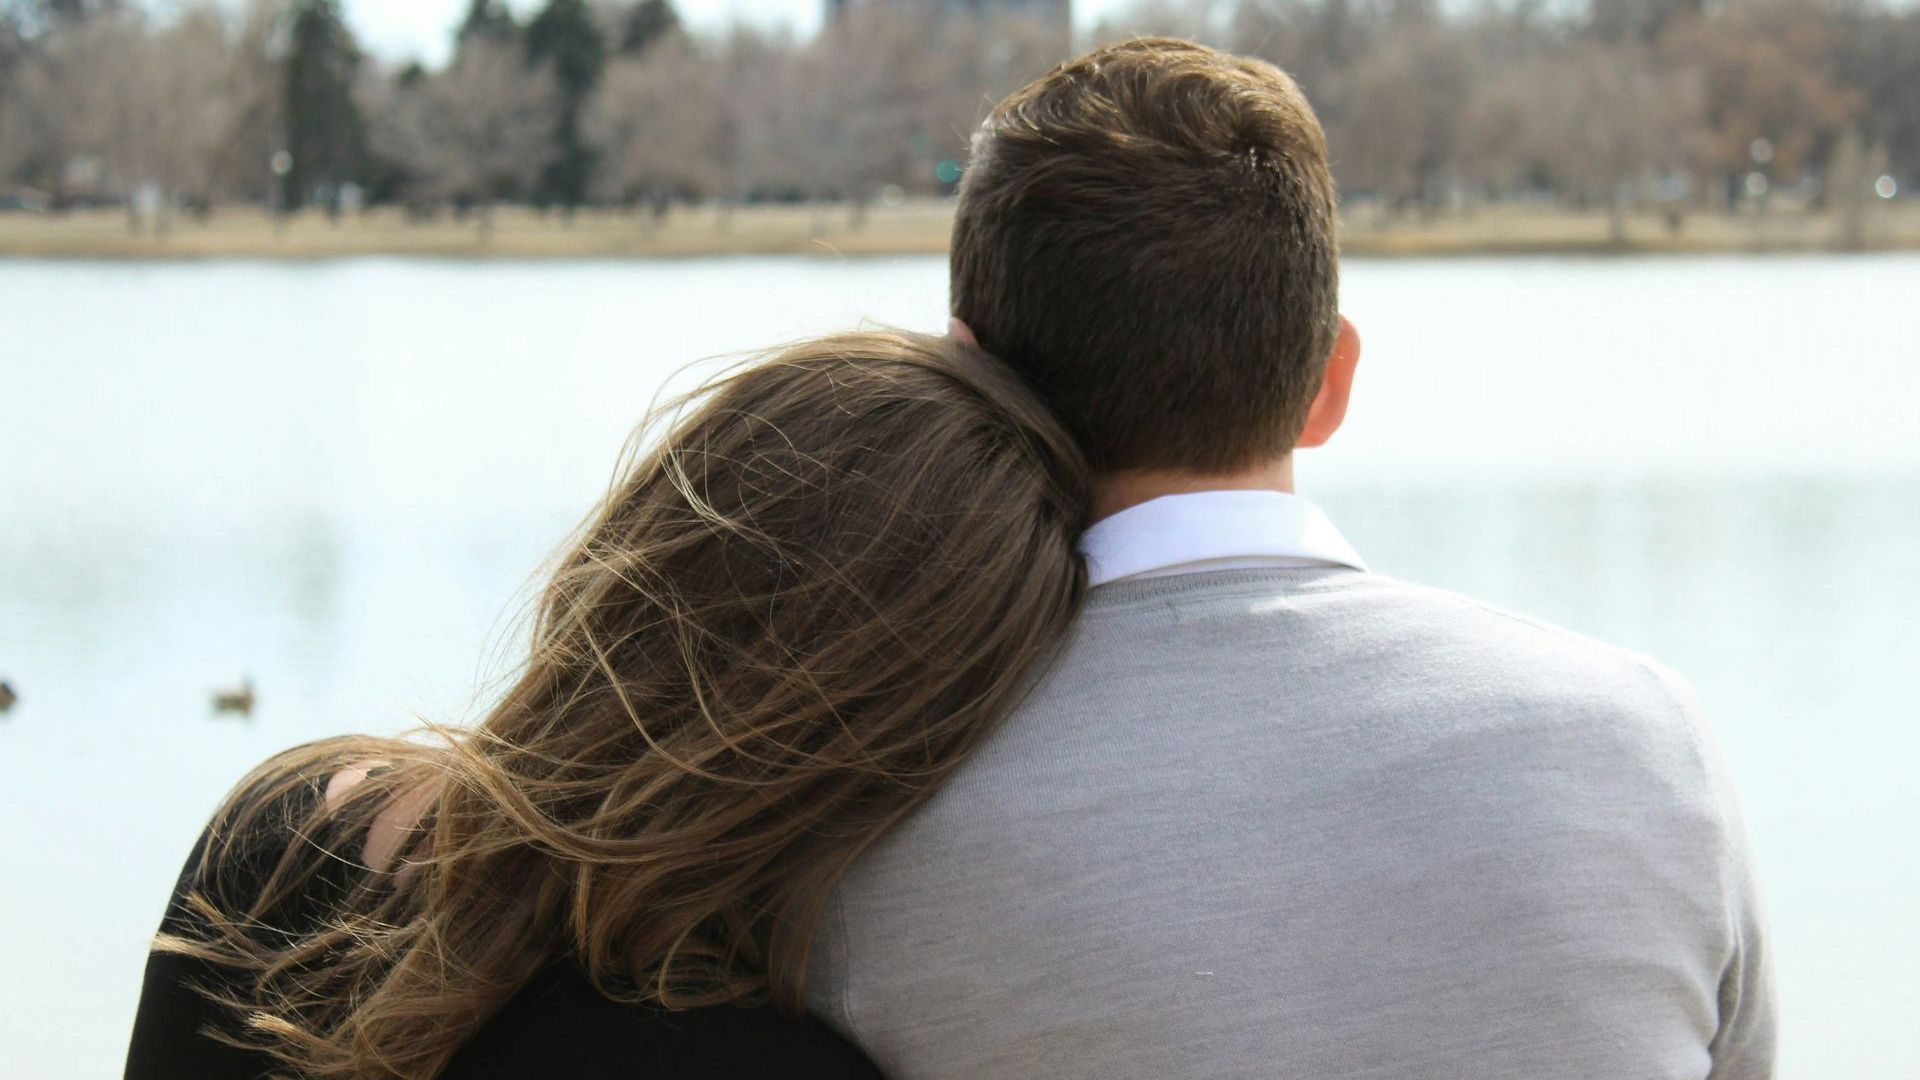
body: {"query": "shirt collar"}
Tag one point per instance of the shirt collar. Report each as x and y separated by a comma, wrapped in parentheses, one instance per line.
(1222, 529)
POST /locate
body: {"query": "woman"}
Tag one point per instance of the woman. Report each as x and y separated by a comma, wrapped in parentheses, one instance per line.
(790, 620)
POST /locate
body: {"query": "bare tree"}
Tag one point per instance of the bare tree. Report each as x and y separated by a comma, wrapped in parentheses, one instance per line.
(1769, 104)
(762, 126)
(882, 108)
(986, 58)
(1400, 130)
(658, 121)
(1594, 122)
(197, 102)
(64, 126)
(253, 84)
(116, 105)
(478, 132)
(861, 85)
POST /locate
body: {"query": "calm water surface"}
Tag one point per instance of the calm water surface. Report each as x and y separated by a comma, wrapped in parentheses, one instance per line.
(337, 478)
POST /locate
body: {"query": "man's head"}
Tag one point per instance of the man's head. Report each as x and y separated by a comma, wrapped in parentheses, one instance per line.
(1147, 234)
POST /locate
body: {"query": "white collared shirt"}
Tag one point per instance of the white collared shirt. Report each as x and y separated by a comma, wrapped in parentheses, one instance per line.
(1213, 530)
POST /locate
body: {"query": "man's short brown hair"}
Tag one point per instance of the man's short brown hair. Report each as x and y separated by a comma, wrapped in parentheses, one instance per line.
(1147, 234)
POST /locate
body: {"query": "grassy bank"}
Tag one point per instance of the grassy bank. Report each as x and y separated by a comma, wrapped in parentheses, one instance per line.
(911, 229)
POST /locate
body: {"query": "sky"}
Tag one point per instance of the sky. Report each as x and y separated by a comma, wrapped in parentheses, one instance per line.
(402, 29)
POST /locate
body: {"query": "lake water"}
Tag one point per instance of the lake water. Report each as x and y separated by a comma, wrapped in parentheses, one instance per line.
(337, 478)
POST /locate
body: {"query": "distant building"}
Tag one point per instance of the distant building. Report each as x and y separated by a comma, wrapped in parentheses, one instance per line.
(1053, 10)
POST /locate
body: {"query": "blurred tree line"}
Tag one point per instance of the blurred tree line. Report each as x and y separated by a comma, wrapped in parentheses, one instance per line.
(1680, 103)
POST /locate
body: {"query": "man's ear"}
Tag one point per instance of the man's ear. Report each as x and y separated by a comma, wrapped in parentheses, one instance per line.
(1330, 404)
(962, 333)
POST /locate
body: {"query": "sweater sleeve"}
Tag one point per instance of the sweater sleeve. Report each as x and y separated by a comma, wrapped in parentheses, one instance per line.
(1744, 1047)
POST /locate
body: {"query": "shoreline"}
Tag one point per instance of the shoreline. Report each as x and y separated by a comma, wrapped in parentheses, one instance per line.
(912, 229)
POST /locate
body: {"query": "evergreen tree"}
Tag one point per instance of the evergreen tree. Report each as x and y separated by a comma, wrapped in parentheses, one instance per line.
(647, 22)
(325, 134)
(565, 37)
(486, 19)
(13, 43)
(21, 20)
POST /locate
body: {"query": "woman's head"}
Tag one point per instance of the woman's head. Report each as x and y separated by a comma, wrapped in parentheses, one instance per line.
(787, 623)
(793, 616)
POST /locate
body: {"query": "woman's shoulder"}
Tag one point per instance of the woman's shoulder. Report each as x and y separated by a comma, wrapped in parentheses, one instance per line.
(561, 1025)
(283, 803)
(236, 852)
(220, 886)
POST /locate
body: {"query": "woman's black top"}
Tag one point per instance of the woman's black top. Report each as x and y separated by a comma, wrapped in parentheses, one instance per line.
(557, 1026)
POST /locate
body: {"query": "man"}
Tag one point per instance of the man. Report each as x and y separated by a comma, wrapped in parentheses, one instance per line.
(1270, 814)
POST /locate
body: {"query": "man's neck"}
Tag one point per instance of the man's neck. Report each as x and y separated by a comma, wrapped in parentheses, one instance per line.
(1116, 491)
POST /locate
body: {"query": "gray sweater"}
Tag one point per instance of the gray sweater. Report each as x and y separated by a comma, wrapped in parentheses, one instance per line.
(1316, 823)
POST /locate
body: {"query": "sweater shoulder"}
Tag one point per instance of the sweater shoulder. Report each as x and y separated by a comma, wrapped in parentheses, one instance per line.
(1369, 619)
(1378, 650)
(1465, 615)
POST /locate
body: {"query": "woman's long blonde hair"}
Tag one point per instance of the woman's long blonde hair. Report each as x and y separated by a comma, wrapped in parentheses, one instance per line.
(793, 616)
